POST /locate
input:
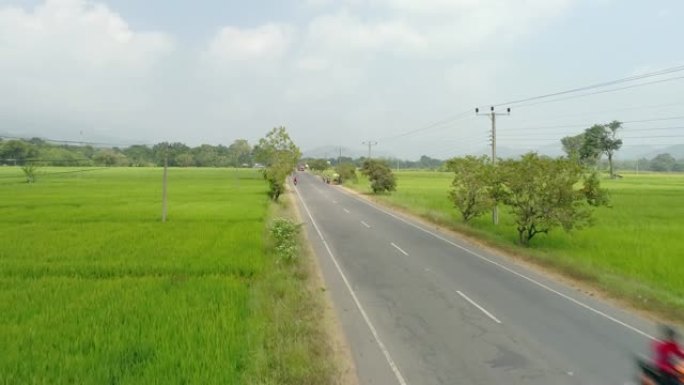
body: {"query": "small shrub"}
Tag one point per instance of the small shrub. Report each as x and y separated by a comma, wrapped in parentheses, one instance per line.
(285, 233)
(30, 170)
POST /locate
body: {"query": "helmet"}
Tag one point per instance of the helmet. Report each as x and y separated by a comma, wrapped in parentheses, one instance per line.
(668, 333)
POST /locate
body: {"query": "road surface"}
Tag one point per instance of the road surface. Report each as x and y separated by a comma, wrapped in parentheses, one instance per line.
(422, 307)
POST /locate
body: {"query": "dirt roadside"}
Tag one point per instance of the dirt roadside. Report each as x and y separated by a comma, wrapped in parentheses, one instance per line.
(336, 341)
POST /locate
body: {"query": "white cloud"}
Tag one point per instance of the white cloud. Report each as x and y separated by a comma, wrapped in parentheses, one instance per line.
(70, 64)
(264, 42)
(344, 32)
(75, 33)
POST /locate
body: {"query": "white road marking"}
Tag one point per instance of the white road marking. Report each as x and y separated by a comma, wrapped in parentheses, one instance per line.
(365, 224)
(346, 211)
(373, 331)
(399, 248)
(334, 202)
(490, 315)
(520, 275)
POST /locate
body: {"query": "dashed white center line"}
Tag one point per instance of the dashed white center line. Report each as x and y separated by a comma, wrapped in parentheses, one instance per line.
(365, 224)
(399, 248)
(334, 202)
(346, 211)
(490, 315)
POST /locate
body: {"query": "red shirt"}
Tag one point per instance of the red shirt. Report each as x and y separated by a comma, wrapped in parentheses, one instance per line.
(665, 352)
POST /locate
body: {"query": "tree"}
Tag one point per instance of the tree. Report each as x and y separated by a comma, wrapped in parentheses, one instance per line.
(572, 146)
(663, 162)
(17, 151)
(205, 155)
(30, 170)
(139, 155)
(276, 147)
(679, 166)
(318, 164)
(380, 175)
(429, 163)
(105, 157)
(280, 155)
(240, 153)
(346, 171)
(602, 139)
(184, 159)
(541, 194)
(472, 185)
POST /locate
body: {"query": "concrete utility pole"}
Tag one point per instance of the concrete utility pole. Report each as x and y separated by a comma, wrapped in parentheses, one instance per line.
(370, 143)
(166, 165)
(492, 115)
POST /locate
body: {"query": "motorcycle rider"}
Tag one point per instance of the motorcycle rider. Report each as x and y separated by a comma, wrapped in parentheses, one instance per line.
(665, 352)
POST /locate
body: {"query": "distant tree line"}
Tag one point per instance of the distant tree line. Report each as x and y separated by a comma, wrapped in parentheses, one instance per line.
(661, 163)
(41, 152)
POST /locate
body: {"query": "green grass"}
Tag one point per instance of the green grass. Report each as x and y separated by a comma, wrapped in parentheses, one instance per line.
(635, 249)
(94, 289)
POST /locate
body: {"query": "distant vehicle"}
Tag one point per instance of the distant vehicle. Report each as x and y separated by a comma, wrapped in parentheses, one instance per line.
(301, 167)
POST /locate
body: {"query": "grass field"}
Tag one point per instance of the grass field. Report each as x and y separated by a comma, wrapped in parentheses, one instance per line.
(636, 248)
(94, 289)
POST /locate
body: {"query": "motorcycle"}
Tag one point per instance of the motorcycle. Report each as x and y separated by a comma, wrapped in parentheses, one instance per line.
(650, 375)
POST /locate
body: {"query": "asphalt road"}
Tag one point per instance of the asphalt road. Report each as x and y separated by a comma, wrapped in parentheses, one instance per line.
(422, 307)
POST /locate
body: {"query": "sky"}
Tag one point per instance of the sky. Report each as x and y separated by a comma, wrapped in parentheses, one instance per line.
(406, 74)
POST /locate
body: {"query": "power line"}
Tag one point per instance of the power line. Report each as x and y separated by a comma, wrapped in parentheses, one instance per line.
(587, 125)
(600, 92)
(597, 85)
(427, 127)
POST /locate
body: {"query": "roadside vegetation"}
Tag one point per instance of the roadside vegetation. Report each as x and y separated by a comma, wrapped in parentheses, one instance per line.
(95, 289)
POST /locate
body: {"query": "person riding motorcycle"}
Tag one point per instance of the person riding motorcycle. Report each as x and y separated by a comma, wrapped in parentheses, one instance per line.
(666, 351)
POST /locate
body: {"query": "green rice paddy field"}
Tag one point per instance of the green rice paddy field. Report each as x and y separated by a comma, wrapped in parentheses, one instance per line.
(636, 248)
(94, 289)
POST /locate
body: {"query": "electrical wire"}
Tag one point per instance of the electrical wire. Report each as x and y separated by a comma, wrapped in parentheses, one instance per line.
(596, 85)
(600, 92)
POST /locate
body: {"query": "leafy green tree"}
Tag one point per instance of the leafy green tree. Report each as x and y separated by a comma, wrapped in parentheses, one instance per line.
(572, 145)
(205, 155)
(318, 164)
(380, 175)
(62, 156)
(601, 139)
(139, 155)
(280, 155)
(663, 162)
(17, 151)
(240, 153)
(184, 160)
(170, 150)
(106, 157)
(346, 171)
(472, 185)
(679, 166)
(541, 194)
(430, 163)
